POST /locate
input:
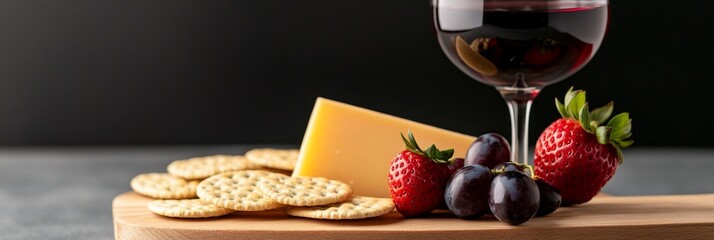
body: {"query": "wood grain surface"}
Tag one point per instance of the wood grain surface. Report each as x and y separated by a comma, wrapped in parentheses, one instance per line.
(649, 217)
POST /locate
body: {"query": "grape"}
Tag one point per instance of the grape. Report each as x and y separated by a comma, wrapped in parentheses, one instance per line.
(489, 150)
(466, 192)
(456, 165)
(513, 197)
(549, 198)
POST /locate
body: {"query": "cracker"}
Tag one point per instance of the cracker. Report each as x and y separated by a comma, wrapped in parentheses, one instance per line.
(358, 207)
(237, 190)
(284, 159)
(187, 208)
(163, 186)
(304, 191)
(198, 168)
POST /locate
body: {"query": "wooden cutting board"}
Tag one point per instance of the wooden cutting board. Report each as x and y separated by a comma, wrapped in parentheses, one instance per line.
(646, 217)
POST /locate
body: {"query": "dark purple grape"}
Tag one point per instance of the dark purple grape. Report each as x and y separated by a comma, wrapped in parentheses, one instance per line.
(466, 192)
(489, 150)
(513, 197)
(549, 198)
(456, 165)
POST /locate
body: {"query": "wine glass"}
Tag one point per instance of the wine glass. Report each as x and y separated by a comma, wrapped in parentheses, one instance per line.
(519, 47)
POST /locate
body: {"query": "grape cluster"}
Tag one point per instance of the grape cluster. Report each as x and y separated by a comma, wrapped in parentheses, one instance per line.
(490, 184)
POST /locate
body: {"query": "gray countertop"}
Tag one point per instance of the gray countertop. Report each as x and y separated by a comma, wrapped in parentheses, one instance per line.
(67, 192)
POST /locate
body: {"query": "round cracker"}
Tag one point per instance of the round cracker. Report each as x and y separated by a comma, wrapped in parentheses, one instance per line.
(202, 167)
(237, 190)
(187, 208)
(357, 207)
(163, 186)
(284, 159)
(304, 191)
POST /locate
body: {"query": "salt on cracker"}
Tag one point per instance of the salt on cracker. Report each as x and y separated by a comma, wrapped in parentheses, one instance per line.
(284, 159)
(357, 207)
(163, 186)
(304, 191)
(202, 167)
(237, 190)
(187, 208)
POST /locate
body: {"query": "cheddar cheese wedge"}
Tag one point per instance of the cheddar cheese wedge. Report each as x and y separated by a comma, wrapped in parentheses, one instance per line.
(356, 145)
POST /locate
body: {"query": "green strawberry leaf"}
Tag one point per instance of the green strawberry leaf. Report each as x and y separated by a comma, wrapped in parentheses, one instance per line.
(627, 135)
(601, 114)
(413, 140)
(411, 144)
(569, 95)
(432, 152)
(447, 154)
(435, 155)
(576, 103)
(585, 118)
(623, 143)
(620, 157)
(440, 156)
(603, 134)
(619, 120)
(561, 109)
(621, 132)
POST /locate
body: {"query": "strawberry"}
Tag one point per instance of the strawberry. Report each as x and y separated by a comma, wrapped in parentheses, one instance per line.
(543, 53)
(575, 154)
(417, 178)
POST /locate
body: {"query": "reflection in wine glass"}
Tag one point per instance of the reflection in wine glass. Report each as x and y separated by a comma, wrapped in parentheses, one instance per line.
(519, 47)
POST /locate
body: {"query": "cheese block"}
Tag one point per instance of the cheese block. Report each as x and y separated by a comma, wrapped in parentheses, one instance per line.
(356, 145)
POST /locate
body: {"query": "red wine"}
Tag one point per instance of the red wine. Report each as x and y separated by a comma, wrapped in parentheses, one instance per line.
(538, 42)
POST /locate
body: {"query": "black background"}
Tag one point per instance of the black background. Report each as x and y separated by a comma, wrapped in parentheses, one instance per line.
(86, 72)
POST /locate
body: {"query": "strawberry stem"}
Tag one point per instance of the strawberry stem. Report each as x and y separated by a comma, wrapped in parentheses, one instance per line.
(530, 168)
(502, 169)
(618, 129)
(432, 152)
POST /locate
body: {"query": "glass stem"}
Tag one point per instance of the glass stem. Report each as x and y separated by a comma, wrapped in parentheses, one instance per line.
(519, 105)
(520, 112)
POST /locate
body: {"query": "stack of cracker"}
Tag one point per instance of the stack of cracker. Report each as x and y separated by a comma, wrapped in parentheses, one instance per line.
(217, 185)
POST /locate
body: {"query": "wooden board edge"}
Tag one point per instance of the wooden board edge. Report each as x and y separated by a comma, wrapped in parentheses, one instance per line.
(125, 230)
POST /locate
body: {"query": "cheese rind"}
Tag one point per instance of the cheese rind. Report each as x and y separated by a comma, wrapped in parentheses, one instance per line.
(356, 145)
